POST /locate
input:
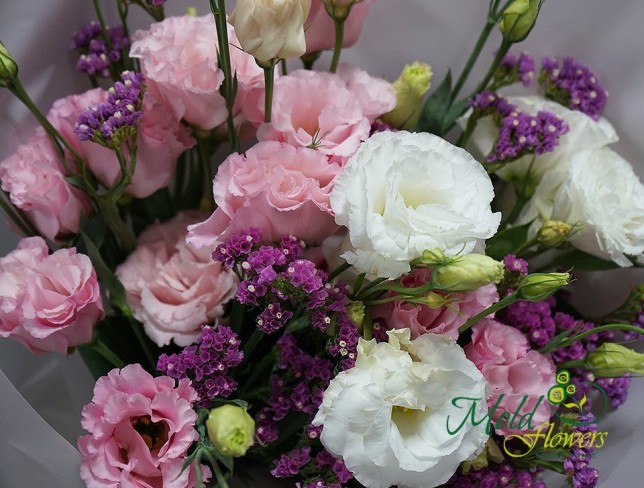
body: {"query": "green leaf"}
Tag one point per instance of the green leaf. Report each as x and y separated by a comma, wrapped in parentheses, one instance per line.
(507, 241)
(454, 112)
(436, 108)
(95, 228)
(298, 323)
(105, 274)
(98, 366)
(581, 261)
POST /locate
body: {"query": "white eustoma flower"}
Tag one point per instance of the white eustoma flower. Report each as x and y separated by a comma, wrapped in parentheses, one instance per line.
(402, 193)
(584, 134)
(270, 29)
(599, 192)
(387, 416)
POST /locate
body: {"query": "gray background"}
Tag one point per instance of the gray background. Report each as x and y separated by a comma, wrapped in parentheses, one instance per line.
(608, 36)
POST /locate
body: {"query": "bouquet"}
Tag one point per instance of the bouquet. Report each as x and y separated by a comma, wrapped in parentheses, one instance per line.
(342, 280)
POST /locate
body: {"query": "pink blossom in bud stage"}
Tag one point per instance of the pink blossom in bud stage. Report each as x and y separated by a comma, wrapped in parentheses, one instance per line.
(319, 29)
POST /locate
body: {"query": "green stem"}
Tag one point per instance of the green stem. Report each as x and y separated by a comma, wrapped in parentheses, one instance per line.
(204, 160)
(503, 50)
(382, 301)
(525, 246)
(521, 202)
(229, 86)
(601, 328)
(105, 34)
(57, 139)
(221, 480)
(252, 343)
(108, 354)
(339, 40)
(24, 225)
(284, 67)
(505, 302)
(579, 363)
(116, 224)
(469, 130)
(143, 341)
(338, 271)
(269, 79)
(483, 37)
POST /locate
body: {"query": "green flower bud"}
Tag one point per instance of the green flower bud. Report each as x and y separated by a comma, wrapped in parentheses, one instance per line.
(491, 452)
(355, 310)
(519, 18)
(339, 9)
(467, 273)
(539, 286)
(8, 67)
(434, 300)
(435, 257)
(612, 360)
(553, 233)
(230, 430)
(410, 87)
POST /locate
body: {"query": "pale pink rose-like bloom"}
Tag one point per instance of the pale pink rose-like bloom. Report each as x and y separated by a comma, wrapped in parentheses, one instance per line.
(513, 370)
(48, 303)
(161, 139)
(277, 188)
(178, 57)
(34, 178)
(319, 28)
(446, 319)
(141, 428)
(331, 112)
(172, 288)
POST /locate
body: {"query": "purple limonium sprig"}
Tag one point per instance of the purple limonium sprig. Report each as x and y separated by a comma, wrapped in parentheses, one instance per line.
(114, 121)
(577, 464)
(496, 476)
(573, 85)
(96, 57)
(521, 134)
(207, 363)
(514, 69)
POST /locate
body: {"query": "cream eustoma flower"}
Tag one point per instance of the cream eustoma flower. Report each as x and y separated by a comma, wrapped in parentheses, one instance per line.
(402, 193)
(598, 193)
(270, 29)
(387, 416)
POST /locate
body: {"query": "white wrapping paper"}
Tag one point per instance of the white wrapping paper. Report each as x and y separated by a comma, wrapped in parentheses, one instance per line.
(608, 36)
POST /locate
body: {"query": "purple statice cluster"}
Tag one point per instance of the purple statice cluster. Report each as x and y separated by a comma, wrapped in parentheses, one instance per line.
(497, 476)
(320, 471)
(616, 389)
(580, 474)
(514, 271)
(515, 69)
(96, 56)
(207, 363)
(380, 126)
(519, 133)
(297, 385)
(573, 85)
(279, 281)
(112, 122)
